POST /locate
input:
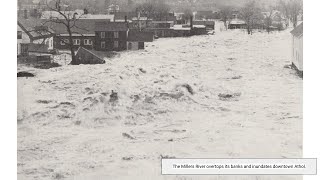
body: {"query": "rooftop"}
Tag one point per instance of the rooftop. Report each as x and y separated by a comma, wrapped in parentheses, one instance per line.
(35, 29)
(82, 26)
(137, 36)
(111, 26)
(298, 31)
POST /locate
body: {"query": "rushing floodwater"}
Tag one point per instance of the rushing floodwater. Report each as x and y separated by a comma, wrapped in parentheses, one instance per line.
(221, 96)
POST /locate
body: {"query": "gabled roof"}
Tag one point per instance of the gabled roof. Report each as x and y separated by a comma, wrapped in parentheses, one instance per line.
(35, 29)
(137, 36)
(111, 26)
(298, 31)
(82, 26)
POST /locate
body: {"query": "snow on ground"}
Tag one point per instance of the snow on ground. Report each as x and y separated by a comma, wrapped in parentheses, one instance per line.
(69, 128)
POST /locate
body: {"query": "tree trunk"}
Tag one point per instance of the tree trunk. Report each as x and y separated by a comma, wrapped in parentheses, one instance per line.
(74, 60)
(73, 57)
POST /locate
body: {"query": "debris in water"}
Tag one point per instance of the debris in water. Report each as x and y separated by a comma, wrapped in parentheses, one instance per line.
(113, 97)
(127, 158)
(136, 98)
(127, 136)
(225, 97)
(236, 77)
(44, 101)
(171, 95)
(288, 66)
(142, 70)
(189, 88)
(24, 74)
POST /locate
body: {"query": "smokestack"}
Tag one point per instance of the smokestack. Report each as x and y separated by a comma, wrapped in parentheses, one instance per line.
(25, 13)
(191, 22)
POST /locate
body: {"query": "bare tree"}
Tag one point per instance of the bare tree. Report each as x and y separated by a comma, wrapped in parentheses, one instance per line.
(161, 11)
(155, 10)
(146, 10)
(226, 15)
(295, 10)
(268, 19)
(291, 10)
(284, 8)
(68, 20)
(186, 15)
(251, 14)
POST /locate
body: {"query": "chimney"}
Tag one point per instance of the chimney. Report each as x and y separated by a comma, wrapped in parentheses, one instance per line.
(126, 21)
(191, 22)
(25, 13)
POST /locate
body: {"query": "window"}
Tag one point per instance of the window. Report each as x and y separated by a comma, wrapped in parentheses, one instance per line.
(116, 34)
(24, 49)
(109, 34)
(103, 35)
(19, 35)
(76, 41)
(103, 45)
(64, 41)
(116, 44)
(87, 42)
(130, 46)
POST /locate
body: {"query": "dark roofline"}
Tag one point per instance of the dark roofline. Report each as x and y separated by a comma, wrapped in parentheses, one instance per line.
(298, 31)
(32, 38)
(88, 51)
(111, 26)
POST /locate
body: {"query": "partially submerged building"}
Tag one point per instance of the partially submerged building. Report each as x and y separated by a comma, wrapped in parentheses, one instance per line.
(237, 24)
(83, 34)
(111, 36)
(136, 39)
(297, 49)
(33, 37)
(85, 56)
(209, 24)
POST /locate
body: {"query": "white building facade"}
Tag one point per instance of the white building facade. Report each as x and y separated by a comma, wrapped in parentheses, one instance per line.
(297, 48)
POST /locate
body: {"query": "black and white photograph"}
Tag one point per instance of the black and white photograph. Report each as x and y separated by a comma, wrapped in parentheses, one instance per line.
(106, 89)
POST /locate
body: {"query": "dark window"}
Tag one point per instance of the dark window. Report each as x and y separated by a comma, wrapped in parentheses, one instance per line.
(103, 34)
(103, 45)
(19, 34)
(109, 34)
(141, 45)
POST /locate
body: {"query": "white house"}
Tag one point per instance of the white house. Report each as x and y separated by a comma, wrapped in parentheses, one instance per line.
(33, 37)
(297, 48)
